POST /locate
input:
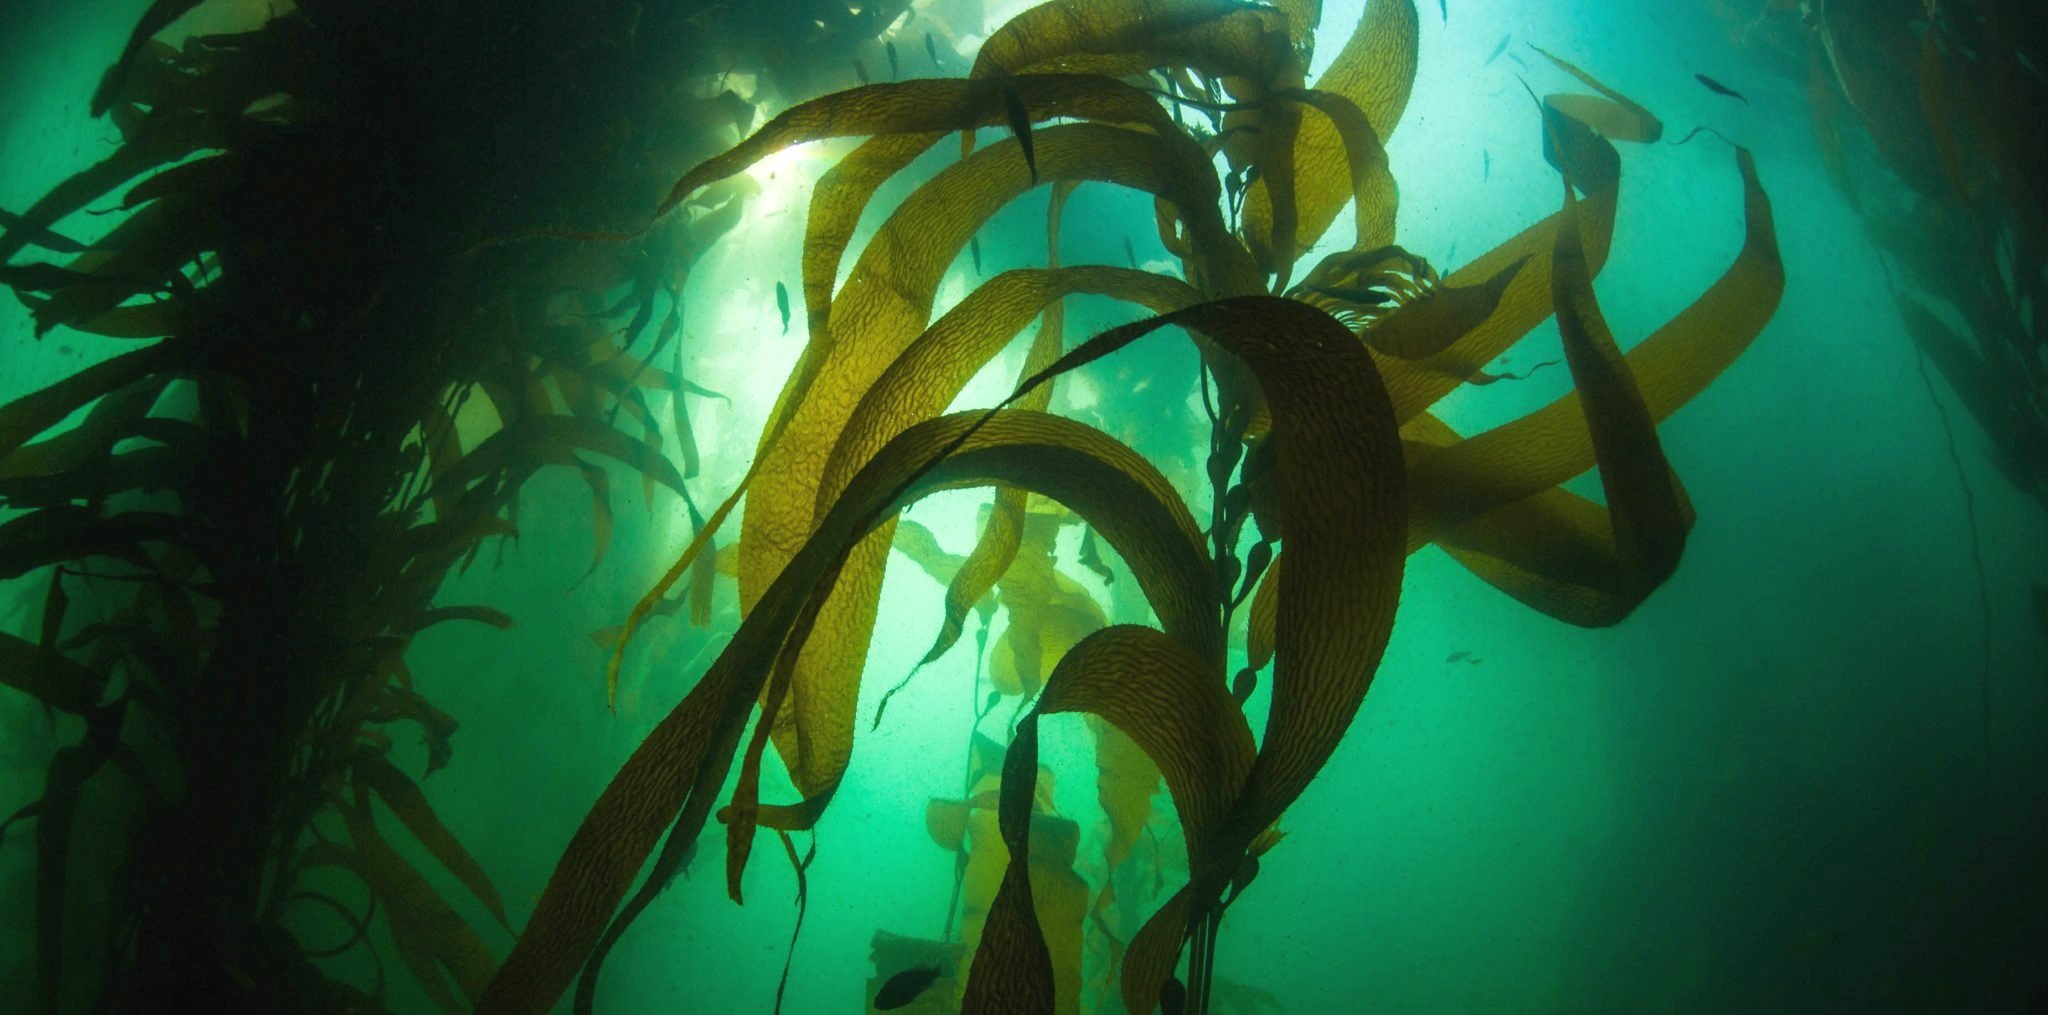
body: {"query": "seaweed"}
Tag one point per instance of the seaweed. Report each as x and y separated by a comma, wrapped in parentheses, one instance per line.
(313, 387)
(327, 405)
(1325, 424)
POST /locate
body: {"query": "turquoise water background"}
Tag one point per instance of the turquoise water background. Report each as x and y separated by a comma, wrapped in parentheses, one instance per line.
(1768, 789)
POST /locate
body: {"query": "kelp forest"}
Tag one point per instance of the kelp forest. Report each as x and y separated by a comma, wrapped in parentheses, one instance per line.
(899, 505)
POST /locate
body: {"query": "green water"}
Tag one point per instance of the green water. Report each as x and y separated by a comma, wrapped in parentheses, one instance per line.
(1793, 780)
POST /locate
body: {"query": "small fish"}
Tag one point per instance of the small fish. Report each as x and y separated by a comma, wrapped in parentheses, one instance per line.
(890, 48)
(974, 247)
(1459, 656)
(1498, 48)
(1129, 254)
(860, 71)
(1173, 996)
(1720, 89)
(1485, 165)
(782, 305)
(1451, 255)
(1483, 378)
(1445, 6)
(905, 987)
(1519, 62)
(1020, 125)
(931, 49)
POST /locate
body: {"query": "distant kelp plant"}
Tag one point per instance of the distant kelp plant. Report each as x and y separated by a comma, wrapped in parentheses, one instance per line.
(1324, 456)
(325, 406)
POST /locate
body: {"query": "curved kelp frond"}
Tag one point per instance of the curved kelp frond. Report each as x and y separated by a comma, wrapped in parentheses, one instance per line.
(1322, 440)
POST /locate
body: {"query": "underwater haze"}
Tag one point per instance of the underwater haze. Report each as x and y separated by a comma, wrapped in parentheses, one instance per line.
(1580, 563)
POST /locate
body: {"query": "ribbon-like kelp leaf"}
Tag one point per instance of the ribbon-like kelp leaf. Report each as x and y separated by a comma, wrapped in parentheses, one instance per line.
(885, 303)
(1549, 446)
(1125, 780)
(1934, 106)
(31, 414)
(405, 800)
(1593, 165)
(1618, 118)
(553, 438)
(143, 255)
(1119, 38)
(1169, 702)
(1339, 470)
(683, 762)
(47, 239)
(672, 778)
(601, 522)
(888, 295)
(57, 534)
(167, 135)
(916, 542)
(1049, 614)
(920, 383)
(1493, 504)
(430, 936)
(124, 413)
(1427, 326)
(211, 175)
(1375, 72)
(157, 18)
(997, 546)
(48, 675)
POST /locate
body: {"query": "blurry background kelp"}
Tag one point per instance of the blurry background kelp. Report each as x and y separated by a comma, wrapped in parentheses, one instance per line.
(238, 541)
(1928, 115)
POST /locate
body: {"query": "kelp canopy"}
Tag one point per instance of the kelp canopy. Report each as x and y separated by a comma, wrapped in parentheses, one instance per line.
(1324, 450)
(1327, 466)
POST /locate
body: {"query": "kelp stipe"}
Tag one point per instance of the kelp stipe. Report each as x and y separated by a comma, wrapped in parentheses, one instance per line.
(1323, 438)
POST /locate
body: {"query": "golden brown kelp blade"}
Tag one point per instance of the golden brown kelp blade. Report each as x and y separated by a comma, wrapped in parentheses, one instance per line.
(1169, 701)
(430, 936)
(922, 106)
(1339, 463)
(1642, 496)
(405, 800)
(1592, 164)
(883, 307)
(1374, 72)
(997, 546)
(1618, 118)
(1117, 38)
(922, 381)
(1545, 448)
(682, 764)
(1427, 326)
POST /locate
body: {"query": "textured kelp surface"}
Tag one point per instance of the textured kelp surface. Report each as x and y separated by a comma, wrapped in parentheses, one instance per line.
(239, 540)
(1322, 444)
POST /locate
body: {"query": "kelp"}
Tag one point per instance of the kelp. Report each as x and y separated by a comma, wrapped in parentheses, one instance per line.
(1336, 423)
(266, 543)
(1321, 436)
